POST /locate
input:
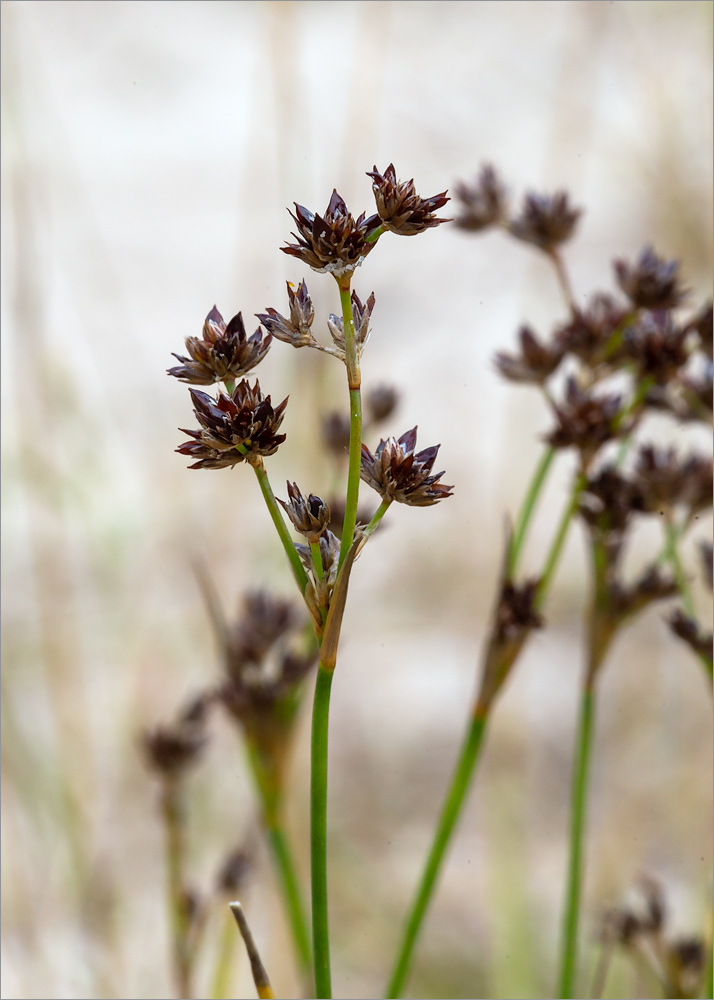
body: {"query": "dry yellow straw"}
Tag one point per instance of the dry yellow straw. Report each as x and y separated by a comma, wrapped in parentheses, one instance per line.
(260, 976)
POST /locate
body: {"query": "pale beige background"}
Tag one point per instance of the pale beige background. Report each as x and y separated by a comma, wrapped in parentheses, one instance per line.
(149, 152)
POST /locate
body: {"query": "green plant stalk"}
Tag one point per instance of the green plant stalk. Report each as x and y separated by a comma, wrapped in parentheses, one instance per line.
(378, 515)
(280, 526)
(354, 382)
(672, 536)
(568, 960)
(220, 981)
(316, 559)
(272, 816)
(525, 514)
(556, 548)
(174, 826)
(447, 821)
(318, 833)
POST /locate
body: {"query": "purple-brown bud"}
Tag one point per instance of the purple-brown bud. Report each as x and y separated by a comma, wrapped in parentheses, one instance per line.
(309, 515)
(400, 208)
(296, 330)
(545, 220)
(483, 203)
(223, 353)
(397, 473)
(585, 421)
(651, 282)
(536, 362)
(336, 243)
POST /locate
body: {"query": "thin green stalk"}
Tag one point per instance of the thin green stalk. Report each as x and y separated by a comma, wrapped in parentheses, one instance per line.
(318, 833)
(221, 979)
(316, 559)
(271, 808)
(354, 381)
(378, 515)
(577, 825)
(526, 512)
(447, 821)
(672, 536)
(281, 527)
(556, 548)
(174, 826)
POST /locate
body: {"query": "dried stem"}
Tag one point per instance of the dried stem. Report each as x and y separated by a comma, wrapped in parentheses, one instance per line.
(260, 976)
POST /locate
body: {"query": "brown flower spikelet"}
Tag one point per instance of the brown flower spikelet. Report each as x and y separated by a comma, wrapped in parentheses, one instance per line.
(536, 362)
(309, 515)
(244, 418)
(296, 330)
(336, 242)
(223, 352)
(483, 203)
(546, 220)
(651, 282)
(397, 473)
(400, 208)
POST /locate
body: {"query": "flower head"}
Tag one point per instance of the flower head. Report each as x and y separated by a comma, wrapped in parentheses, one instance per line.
(591, 334)
(400, 208)
(536, 362)
(296, 330)
(546, 220)
(381, 401)
(223, 352)
(483, 203)
(397, 473)
(233, 427)
(309, 515)
(361, 315)
(657, 346)
(585, 421)
(335, 242)
(651, 282)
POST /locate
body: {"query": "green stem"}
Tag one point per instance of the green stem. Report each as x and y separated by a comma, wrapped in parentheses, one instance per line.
(447, 821)
(672, 537)
(526, 512)
(575, 863)
(708, 993)
(221, 979)
(379, 514)
(318, 833)
(556, 548)
(354, 382)
(281, 527)
(174, 826)
(316, 559)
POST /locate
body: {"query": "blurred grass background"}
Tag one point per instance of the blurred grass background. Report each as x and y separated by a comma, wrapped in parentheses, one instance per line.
(149, 152)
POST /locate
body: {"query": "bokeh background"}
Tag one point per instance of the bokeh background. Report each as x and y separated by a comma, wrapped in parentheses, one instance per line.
(149, 153)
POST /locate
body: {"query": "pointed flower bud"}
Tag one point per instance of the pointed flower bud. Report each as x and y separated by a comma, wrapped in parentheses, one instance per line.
(309, 515)
(400, 208)
(585, 421)
(666, 481)
(651, 282)
(397, 473)
(536, 362)
(361, 315)
(223, 353)
(171, 750)
(244, 419)
(483, 203)
(296, 330)
(336, 242)
(546, 220)
(657, 346)
(589, 334)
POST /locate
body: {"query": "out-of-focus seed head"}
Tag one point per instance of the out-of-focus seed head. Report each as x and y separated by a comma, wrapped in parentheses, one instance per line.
(591, 333)
(652, 585)
(309, 515)
(516, 614)
(361, 316)
(697, 395)
(296, 330)
(666, 481)
(657, 346)
(223, 352)
(263, 621)
(586, 421)
(483, 203)
(381, 402)
(396, 472)
(400, 208)
(535, 363)
(609, 500)
(651, 282)
(688, 630)
(335, 243)
(234, 872)
(244, 419)
(171, 750)
(546, 220)
(705, 551)
(336, 432)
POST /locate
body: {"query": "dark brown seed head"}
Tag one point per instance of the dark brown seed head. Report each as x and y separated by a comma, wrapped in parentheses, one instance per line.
(222, 353)
(516, 614)
(482, 203)
(263, 621)
(397, 473)
(336, 242)
(309, 515)
(336, 432)
(296, 330)
(400, 208)
(651, 282)
(701, 324)
(653, 585)
(688, 630)
(234, 872)
(243, 420)
(381, 402)
(171, 750)
(666, 481)
(546, 220)
(705, 551)
(535, 363)
(609, 500)
(361, 315)
(585, 421)
(592, 333)
(657, 346)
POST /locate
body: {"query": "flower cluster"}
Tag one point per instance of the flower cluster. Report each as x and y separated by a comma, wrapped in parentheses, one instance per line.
(222, 353)
(399, 473)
